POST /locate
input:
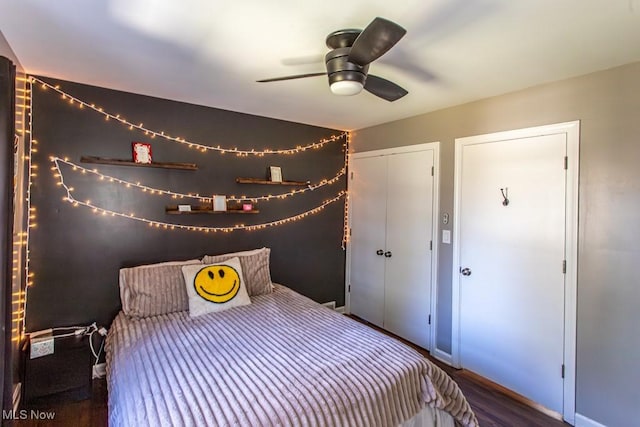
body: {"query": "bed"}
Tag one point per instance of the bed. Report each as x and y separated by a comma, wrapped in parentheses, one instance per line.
(281, 360)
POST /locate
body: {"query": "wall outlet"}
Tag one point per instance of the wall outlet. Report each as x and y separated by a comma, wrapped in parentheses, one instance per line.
(41, 345)
(330, 304)
(99, 370)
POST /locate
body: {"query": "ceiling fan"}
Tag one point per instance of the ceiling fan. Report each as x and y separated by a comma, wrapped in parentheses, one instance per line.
(351, 53)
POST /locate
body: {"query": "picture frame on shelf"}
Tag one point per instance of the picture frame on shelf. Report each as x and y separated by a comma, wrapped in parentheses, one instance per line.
(275, 173)
(219, 203)
(141, 152)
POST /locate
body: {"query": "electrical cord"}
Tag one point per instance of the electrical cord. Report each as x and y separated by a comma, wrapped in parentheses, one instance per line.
(81, 330)
(101, 332)
(97, 356)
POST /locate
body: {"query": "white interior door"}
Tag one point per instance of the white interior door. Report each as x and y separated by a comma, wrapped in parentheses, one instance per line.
(368, 201)
(512, 300)
(407, 250)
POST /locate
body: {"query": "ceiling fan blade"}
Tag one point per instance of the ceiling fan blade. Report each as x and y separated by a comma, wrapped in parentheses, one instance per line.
(383, 88)
(304, 60)
(407, 62)
(375, 40)
(299, 76)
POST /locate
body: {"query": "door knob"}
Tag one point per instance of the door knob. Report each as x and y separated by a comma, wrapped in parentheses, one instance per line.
(387, 254)
(466, 271)
(379, 252)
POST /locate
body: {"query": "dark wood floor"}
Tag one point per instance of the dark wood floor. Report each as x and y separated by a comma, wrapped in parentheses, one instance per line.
(85, 413)
(492, 407)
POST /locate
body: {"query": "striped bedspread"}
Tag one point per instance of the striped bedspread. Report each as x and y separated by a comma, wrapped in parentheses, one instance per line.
(283, 360)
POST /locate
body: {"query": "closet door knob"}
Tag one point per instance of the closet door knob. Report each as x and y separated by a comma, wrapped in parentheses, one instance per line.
(379, 252)
(388, 254)
(466, 271)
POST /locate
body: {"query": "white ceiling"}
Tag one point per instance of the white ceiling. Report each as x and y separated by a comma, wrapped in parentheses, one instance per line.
(211, 52)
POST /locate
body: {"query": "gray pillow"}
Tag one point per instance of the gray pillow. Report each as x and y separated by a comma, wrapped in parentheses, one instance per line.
(255, 268)
(151, 290)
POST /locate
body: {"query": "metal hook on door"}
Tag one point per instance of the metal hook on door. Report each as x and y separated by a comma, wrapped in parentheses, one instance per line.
(505, 196)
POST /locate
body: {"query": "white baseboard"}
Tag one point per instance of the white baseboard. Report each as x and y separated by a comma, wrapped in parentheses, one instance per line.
(340, 309)
(442, 356)
(99, 370)
(17, 389)
(582, 421)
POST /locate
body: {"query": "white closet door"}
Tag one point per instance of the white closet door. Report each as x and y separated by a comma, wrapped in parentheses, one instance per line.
(368, 196)
(409, 231)
(512, 289)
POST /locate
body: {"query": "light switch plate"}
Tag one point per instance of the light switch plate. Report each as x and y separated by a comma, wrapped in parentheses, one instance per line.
(446, 236)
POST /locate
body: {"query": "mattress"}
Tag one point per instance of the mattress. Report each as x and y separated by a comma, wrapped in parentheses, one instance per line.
(282, 360)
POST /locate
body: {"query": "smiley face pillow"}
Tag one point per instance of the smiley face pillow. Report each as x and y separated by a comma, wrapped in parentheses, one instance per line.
(215, 287)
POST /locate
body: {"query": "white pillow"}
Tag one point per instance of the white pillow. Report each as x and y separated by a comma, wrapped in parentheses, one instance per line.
(215, 287)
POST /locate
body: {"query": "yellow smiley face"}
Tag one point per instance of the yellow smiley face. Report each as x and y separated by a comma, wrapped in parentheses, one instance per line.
(217, 283)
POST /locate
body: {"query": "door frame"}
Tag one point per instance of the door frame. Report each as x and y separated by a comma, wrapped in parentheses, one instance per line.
(429, 146)
(571, 130)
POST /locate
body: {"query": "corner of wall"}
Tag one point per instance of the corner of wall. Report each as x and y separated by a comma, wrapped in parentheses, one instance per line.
(582, 421)
(7, 51)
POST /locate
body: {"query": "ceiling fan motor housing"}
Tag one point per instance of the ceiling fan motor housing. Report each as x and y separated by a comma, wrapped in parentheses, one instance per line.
(340, 69)
(351, 52)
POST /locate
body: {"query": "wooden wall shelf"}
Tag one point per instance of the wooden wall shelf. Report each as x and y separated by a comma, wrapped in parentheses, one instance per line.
(267, 182)
(120, 162)
(173, 210)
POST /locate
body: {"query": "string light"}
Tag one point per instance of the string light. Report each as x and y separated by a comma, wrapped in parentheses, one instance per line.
(17, 297)
(152, 190)
(30, 210)
(20, 298)
(346, 231)
(167, 225)
(203, 148)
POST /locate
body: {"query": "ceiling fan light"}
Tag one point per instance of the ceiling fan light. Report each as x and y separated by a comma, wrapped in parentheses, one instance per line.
(346, 87)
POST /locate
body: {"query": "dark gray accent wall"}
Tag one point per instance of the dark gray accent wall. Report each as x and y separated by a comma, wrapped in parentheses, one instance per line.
(608, 107)
(18, 219)
(7, 121)
(76, 254)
